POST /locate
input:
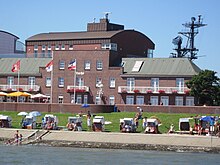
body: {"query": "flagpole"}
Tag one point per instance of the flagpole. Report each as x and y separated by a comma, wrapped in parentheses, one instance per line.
(51, 83)
(74, 87)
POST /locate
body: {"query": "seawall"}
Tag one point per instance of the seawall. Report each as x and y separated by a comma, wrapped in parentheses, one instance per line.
(134, 141)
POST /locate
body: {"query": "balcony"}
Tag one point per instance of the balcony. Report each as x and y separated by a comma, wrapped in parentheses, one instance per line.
(79, 89)
(26, 88)
(155, 90)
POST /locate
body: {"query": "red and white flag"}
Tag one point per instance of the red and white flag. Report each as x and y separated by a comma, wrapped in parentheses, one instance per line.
(72, 65)
(16, 66)
(49, 66)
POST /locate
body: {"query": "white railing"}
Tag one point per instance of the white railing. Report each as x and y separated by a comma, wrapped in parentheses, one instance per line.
(70, 88)
(138, 89)
(12, 88)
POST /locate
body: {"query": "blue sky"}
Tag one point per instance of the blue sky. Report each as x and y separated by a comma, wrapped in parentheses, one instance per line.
(160, 20)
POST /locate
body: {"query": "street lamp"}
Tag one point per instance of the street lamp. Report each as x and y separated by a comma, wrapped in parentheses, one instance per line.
(100, 91)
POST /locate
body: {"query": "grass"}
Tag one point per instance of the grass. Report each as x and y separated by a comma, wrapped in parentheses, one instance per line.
(166, 119)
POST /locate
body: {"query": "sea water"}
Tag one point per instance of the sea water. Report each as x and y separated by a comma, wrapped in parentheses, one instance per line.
(40, 155)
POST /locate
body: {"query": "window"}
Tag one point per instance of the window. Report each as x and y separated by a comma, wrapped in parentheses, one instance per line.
(49, 47)
(99, 65)
(179, 100)
(97, 100)
(43, 53)
(85, 99)
(137, 66)
(10, 81)
(87, 65)
(43, 47)
(72, 98)
(111, 100)
(154, 100)
(49, 54)
(155, 84)
(36, 47)
(61, 82)
(165, 100)
(180, 84)
(98, 81)
(31, 82)
(140, 100)
(79, 81)
(62, 47)
(130, 84)
(112, 82)
(60, 99)
(48, 81)
(62, 65)
(71, 47)
(57, 47)
(150, 53)
(35, 53)
(79, 99)
(190, 101)
(130, 100)
(110, 46)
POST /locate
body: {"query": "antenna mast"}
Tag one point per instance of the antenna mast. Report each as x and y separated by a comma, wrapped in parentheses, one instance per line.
(189, 51)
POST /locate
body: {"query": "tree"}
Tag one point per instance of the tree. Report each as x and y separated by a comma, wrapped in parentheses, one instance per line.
(205, 87)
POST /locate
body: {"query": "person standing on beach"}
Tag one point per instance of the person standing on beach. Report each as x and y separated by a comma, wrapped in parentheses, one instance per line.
(16, 137)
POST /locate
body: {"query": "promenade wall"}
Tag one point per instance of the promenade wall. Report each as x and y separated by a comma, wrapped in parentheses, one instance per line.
(76, 108)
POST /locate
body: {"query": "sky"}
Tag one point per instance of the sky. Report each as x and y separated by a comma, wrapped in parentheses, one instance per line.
(160, 20)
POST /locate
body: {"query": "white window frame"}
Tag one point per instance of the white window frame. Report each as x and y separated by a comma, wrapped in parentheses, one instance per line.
(112, 82)
(85, 99)
(87, 65)
(10, 81)
(99, 65)
(180, 85)
(190, 101)
(165, 100)
(140, 100)
(98, 100)
(179, 100)
(79, 81)
(111, 100)
(130, 84)
(61, 64)
(49, 47)
(130, 100)
(43, 47)
(57, 47)
(36, 47)
(98, 81)
(71, 47)
(154, 100)
(31, 81)
(61, 82)
(48, 81)
(155, 84)
(79, 99)
(60, 99)
(62, 47)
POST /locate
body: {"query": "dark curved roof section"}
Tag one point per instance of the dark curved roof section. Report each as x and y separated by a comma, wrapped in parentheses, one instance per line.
(10, 34)
(132, 43)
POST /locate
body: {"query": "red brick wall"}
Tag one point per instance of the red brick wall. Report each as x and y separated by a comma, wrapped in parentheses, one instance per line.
(72, 108)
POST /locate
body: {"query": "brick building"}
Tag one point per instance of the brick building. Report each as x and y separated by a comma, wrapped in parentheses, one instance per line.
(113, 65)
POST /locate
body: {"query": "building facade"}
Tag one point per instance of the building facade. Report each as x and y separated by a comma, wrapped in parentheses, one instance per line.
(113, 66)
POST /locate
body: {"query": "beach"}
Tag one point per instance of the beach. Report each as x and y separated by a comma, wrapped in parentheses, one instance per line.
(134, 141)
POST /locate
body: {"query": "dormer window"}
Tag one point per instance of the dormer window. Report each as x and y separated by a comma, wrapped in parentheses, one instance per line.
(110, 46)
